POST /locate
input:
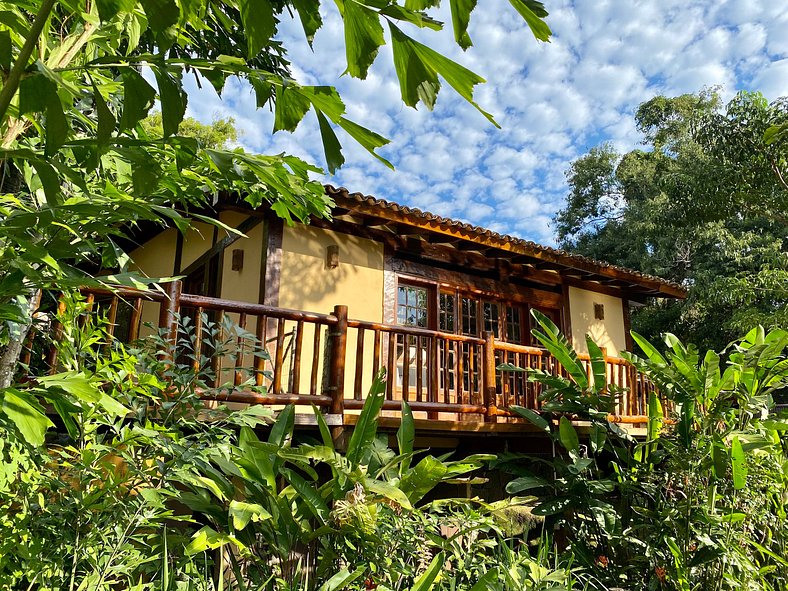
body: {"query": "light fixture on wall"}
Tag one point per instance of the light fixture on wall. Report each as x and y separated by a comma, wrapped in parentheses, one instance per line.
(599, 311)
(238, 259)
(332, 256)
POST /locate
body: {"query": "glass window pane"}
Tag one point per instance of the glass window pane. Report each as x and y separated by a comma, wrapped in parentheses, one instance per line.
(412, 306)
(470, 314)
(402, 295)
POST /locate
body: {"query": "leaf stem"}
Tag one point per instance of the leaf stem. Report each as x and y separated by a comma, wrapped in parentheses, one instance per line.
(12, 82)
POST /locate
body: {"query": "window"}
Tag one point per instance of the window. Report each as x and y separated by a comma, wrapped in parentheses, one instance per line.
(491, 318)
(412, 306)
(514, 326)
(447, 313)
(469, 313)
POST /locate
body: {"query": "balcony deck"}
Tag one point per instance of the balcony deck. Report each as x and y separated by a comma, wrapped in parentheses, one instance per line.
(278, 356)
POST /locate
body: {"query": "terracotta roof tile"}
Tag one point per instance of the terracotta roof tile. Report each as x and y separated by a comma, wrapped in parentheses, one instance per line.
(562, 257)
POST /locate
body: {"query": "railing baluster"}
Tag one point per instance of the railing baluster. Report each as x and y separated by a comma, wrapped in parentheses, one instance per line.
(134, 321)
(357, 387)
(434, 368)
(391, 370)
(216, 360)
(315, 359)
(405, 366)
(459, 379)
(295, 384)
(279, 355)
(261, 333)
(197, 352)
(419, 369)
(239, 351)
(446, 372)
(376, 354)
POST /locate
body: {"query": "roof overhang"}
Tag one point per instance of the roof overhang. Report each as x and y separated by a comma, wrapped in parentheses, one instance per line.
(540, 263)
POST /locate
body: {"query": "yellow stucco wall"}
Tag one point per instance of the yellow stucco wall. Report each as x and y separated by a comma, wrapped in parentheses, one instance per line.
(608, 333)
(155, 258)
(243, 285)
(307, 284)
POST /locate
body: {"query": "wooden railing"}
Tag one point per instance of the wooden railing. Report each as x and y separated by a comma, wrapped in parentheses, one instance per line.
(280, 356)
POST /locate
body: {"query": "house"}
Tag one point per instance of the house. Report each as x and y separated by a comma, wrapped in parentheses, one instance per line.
(439, 302)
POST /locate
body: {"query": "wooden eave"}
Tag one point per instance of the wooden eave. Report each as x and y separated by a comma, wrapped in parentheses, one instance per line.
(458, 240)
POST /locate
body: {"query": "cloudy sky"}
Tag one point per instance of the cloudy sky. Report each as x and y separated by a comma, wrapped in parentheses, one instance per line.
(554, 101)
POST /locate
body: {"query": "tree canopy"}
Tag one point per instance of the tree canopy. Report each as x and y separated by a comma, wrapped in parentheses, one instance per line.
(703, 203)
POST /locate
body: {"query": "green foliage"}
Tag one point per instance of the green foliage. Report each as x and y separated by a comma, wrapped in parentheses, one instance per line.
(82, 163)
(149, 487)
(702, 204)
(700, 503)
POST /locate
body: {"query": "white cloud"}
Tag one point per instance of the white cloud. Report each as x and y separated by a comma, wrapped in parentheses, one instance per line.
(553, 100)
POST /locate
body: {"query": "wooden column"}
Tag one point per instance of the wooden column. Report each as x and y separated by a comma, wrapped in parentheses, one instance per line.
(168, 314)
(336, 361)
(489, 377)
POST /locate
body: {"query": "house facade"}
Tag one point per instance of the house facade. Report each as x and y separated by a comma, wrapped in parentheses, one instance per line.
(423, 294)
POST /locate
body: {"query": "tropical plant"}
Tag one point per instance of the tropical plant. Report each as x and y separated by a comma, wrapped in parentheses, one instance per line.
(145, 485)
(699, 502)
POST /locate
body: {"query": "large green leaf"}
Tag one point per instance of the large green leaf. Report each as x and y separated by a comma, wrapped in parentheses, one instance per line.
(242, 513)
(307, 492)
(423, 478)
(598, 365)
(138, 98)
(533, 12)
(738, 464)
(532, 416)
(28, 416)
(172, 98)
(460, 17)
(418, 68)
(291, 106)
(309, 13)
(426, 580)
(257, 17)
(331, 146)
(363, 37)
(368, 139)
(342, 579)
(568, 436)
(366, 428)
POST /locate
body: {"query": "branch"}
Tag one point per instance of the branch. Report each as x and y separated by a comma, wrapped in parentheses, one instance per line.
(12, 83)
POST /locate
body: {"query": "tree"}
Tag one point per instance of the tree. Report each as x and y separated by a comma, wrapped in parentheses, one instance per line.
(77, 165)
(219, 134)
(702, 204)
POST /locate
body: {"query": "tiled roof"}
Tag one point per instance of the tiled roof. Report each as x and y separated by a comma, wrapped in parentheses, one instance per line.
(347, 199)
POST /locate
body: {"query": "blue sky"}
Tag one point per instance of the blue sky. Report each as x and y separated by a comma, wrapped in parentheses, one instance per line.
(554, 100)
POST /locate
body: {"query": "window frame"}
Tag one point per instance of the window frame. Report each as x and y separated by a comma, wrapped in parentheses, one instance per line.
(437, 288)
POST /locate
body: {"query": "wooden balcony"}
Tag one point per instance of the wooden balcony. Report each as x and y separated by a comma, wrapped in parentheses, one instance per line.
(282, 356)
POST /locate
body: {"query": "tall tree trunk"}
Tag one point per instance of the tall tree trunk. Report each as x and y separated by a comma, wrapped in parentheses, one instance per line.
(18, 331)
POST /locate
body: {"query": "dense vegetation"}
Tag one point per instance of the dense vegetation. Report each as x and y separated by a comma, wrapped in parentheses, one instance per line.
(703, 203)
(144, 486)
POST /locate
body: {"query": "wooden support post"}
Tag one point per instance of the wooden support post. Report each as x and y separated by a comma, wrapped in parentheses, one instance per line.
(336, 361)
(489, 377)
(168, 315)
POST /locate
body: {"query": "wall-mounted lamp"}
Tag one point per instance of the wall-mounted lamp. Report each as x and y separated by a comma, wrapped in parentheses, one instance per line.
(332, 256)
(599, 311)
(238, 259)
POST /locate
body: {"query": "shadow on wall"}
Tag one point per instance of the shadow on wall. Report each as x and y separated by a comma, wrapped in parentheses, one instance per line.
(598, 332)
(327, 269)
